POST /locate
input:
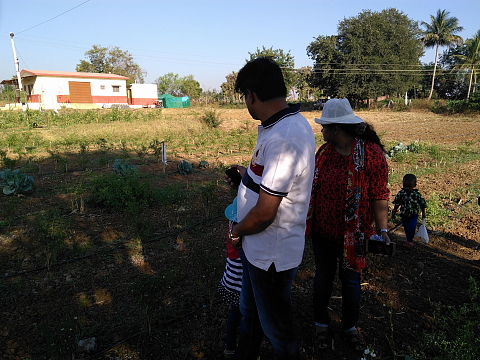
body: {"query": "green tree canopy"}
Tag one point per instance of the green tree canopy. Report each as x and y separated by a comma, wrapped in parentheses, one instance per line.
(190, 87)
(303, 84)
(228, 88)
(284, 59)
(470, 60)
(111, 60)
(175, 85)
(169, 83)
(441, 31)
(373, 54)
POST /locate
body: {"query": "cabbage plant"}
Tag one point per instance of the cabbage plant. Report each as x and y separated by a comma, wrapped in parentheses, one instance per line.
(15, 181)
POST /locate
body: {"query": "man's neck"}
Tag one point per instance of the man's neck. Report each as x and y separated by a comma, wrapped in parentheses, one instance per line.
(271, 107)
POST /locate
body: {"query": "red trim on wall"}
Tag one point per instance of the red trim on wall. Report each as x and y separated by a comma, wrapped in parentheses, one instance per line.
(143, 101)
(61, 99)
(33, 98)
(109, 99)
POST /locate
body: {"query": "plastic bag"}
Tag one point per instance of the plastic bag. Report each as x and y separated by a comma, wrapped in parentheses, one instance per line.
(422, 232)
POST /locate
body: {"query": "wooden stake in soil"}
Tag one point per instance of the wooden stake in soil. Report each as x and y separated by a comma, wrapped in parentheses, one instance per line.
(164, 155)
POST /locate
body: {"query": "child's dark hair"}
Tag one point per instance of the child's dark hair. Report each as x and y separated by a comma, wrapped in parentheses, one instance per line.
(363, 131)
(262, 76)
(409, 179)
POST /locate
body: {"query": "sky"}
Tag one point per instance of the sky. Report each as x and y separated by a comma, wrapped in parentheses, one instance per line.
(205, 38)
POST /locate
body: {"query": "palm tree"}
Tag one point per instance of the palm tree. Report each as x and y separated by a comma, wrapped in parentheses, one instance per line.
(471, 59)
(441, 31)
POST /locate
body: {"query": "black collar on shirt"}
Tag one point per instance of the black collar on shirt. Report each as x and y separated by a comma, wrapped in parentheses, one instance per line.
(275, 118)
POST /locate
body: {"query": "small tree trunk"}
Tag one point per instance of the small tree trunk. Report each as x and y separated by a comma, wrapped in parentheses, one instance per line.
(434, 71)
(470, 84)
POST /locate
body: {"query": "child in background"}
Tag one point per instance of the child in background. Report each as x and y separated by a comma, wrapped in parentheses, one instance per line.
(409, 200)
(230, 285)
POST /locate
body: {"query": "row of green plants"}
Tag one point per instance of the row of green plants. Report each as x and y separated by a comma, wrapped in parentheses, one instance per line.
(36, 119)
(39, 119)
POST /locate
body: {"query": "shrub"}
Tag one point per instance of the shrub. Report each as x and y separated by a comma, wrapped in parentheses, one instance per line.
(211, 118)
(121, 193)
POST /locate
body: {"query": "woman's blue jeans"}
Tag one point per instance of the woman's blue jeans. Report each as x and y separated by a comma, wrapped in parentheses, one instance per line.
(329, 254)
(265, 307)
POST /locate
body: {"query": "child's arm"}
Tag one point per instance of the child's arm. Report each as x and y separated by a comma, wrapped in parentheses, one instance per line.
(424, 214)
(394, 211)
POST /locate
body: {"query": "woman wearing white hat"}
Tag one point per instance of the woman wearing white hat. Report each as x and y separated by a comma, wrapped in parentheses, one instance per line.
(349, 195)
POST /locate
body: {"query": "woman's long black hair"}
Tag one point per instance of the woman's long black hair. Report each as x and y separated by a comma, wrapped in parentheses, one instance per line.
(363, 131)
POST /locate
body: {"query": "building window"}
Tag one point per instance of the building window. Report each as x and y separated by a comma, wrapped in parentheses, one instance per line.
(116, 88)
(102, 87)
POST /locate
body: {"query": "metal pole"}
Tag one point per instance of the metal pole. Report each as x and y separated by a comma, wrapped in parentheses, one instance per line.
(17, 64)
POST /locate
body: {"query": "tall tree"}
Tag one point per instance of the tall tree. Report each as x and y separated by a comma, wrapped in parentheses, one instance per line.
(284, 59)
(111, 60)
(372, 55)
(169, 83)
(470, 60)
(303, 84)
(173, 84)
(441, 31)
(228, 88)
(190, 87)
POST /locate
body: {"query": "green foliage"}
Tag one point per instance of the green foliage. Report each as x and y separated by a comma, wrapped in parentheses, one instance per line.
(211, 118)
(185, 168)
(454, 333)
(190, 87)
(121, 193)
(284, 59)
(203, 164)
(398, 150)
(228, 88)
(175, 85)
(6, 161)
(441, 31)
(169, 84)
(52, 230)
(366, 58)
(123, 168)
(437, 215)
(15, 182)
(111, 60)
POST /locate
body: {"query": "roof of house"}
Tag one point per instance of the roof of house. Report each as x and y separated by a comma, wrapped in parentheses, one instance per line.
(26, 73)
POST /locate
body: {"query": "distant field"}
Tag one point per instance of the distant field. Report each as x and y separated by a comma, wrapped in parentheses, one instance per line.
(133, 261)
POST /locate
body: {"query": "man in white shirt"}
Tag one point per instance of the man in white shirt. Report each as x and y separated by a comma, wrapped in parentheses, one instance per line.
(272, 205)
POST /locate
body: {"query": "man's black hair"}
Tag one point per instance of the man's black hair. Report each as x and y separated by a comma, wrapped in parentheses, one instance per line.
(262, 76)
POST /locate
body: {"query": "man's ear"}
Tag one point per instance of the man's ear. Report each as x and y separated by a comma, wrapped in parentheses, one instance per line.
(252, 96)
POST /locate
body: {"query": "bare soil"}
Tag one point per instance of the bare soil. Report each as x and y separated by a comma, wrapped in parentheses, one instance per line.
(144, 287)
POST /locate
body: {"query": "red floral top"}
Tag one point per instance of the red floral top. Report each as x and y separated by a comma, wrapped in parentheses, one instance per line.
(328, 215)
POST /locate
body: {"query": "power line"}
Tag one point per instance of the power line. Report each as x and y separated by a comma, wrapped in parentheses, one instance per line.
(53, 17)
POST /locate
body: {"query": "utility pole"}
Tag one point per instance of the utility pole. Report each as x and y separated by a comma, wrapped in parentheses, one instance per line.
(17, 65)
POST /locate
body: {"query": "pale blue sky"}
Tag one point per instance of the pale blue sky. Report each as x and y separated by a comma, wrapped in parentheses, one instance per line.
(205, 38)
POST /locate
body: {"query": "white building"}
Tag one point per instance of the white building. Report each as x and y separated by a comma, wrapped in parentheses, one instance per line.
(142, 95)
(55, 89)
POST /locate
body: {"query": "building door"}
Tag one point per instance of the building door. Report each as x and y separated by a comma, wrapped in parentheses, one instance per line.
(129, 96)
(80, 92)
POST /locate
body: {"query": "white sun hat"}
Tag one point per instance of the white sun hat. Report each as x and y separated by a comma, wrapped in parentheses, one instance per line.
(338, 111)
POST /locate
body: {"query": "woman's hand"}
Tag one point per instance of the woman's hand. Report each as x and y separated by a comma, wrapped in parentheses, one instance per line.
(385, 237)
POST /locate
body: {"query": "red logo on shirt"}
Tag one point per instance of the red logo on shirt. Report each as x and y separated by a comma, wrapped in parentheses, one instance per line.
(256, 169)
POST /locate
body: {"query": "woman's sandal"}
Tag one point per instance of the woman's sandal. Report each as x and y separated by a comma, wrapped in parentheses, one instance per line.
(322, 340)
(355, 340)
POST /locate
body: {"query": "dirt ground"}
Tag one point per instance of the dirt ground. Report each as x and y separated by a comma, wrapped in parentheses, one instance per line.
(153, 296)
